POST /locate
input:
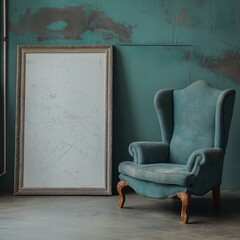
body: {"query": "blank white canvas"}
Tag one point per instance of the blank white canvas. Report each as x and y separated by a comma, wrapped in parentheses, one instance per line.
(64, 127)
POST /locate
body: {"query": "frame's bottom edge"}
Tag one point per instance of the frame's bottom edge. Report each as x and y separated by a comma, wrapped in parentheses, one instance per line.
(59, 192)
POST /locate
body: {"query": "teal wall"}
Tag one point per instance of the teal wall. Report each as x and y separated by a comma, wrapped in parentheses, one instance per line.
(157, 44)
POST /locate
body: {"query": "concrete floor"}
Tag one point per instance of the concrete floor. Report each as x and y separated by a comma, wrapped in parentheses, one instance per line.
(79, 217)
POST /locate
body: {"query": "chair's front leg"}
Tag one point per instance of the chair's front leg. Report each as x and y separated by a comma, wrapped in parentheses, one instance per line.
(122, 184)
(185, 197)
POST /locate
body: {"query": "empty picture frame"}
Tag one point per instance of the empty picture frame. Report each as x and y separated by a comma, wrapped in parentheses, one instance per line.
(64, 120)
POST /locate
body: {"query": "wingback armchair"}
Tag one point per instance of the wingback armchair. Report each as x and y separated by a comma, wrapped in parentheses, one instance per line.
(194, 123)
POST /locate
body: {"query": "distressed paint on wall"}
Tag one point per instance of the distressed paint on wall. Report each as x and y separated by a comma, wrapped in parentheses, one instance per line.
(78, 20)
(209, 30)
(183, 18)
(224, 21)
(227, 64)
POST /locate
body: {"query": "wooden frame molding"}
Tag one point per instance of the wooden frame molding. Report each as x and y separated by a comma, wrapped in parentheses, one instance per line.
(80, 105)
(185, 197)
(120, 188)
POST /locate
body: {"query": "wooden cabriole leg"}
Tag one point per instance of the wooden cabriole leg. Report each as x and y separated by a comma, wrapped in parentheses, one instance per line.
(216, 197)
(122, 184)
(185, 197)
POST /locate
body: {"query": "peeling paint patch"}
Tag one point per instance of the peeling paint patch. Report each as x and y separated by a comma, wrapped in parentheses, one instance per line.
(78, 20)
(228, 64)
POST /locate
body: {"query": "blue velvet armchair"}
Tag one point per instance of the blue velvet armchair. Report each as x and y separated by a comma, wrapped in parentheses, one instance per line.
(194, 123)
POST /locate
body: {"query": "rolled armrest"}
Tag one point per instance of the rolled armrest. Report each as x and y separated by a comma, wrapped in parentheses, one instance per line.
(204, 157)
(149, 152)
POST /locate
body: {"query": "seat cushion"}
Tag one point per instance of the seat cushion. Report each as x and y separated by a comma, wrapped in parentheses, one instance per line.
(163, 173)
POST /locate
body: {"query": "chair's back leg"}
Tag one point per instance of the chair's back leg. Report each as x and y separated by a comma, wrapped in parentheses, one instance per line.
(185, 197)
(121, 185)
(216, 197)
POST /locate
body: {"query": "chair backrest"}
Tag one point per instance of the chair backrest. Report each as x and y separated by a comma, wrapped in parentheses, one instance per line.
(196, 117)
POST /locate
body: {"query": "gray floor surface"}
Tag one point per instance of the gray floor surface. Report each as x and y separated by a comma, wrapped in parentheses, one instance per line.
(81, 217)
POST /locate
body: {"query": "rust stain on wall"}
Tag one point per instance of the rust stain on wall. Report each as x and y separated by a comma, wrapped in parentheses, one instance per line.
(183, 18)
(78, 20)
(200, 2)
(228, 64)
